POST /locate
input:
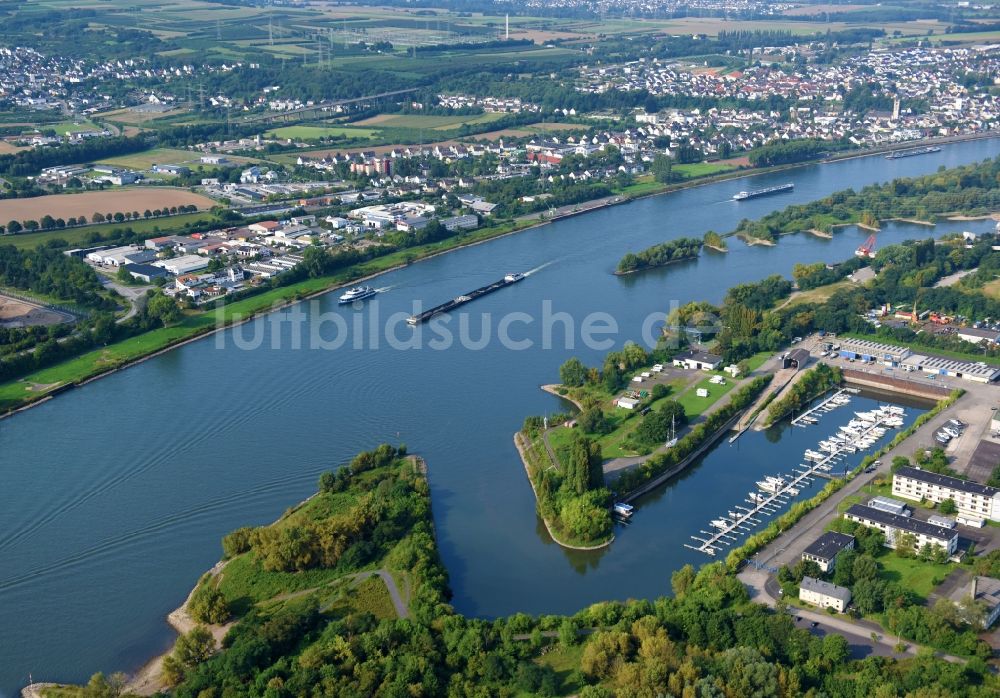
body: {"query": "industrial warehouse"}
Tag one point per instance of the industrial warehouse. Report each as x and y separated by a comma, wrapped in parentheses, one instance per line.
(901, 357)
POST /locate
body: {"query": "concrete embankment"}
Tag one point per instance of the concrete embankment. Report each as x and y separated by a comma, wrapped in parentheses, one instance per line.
(895, 384)
(680, 467)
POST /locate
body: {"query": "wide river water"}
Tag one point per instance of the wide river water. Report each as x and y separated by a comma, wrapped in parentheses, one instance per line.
(113, 497)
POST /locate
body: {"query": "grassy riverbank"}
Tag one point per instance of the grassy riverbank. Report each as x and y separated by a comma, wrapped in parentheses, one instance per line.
(39, 384)
(16, 394)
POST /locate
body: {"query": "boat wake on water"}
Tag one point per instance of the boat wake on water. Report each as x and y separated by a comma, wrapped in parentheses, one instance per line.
(540, 267)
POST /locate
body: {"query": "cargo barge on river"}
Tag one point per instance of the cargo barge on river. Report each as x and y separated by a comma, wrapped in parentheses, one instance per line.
(744, 195)
(913, 151)
(448, 306)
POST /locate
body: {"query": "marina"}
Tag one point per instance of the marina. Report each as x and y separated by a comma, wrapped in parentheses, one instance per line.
(838, 399)
(777, 491)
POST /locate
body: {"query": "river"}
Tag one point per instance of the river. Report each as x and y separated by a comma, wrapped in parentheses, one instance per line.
(115, 495)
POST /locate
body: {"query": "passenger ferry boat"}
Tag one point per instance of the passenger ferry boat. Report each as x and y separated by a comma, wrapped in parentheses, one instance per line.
(358, 293)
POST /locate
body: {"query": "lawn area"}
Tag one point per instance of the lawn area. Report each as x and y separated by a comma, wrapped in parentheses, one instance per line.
(369, 596)
(316, 132)
(245, 582)
(820, 294)
(916, 575)
(642, 186)
(991, 289)
(703, 169)
(694, 405)
(156, 156)
(563, 661)
(65, 127)
(757, 360)
(81, 235)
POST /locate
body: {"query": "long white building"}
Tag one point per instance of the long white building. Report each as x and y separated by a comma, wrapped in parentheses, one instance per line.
(971, 498)
(894, 527)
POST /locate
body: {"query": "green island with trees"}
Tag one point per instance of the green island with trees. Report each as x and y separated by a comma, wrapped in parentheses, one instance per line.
(660, 255)
(968, 190)
(307, 612)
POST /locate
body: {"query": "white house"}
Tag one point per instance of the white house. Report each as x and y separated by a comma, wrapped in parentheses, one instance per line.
(824, 594)
(697, 360)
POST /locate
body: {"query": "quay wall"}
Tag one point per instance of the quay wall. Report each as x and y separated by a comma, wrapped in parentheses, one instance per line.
(895, 384)
(680, 467)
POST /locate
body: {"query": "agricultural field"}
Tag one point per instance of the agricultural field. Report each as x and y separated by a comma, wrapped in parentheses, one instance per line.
(84, 234)
(435, 123)
(156, 156)
(137, 118)
(306, 133)
(87, 203)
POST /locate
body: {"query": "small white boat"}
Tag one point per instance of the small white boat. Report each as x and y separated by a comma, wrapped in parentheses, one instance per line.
(719, 523)
(791, 491)
(773, 486)
(624, 510)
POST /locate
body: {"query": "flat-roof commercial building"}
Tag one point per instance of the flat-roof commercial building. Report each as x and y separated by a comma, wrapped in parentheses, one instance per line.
(184, 264)
(824, 594)
(971, 498)
(894, 526)
(120, 256)
(978, 336)
(866, 350)
(893, 506)
(824, 550)
(942, 366)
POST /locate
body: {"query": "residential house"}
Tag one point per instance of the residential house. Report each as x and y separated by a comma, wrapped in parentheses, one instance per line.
(824, 594)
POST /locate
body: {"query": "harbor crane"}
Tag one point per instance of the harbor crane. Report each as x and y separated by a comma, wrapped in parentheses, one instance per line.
(867, 249)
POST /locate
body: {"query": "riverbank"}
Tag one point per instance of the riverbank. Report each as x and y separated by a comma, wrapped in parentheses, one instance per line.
(149, 679)
(521, 450)
(553, 389)
(40, 386)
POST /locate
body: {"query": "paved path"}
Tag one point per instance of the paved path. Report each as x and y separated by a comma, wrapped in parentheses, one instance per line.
(135, 295)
